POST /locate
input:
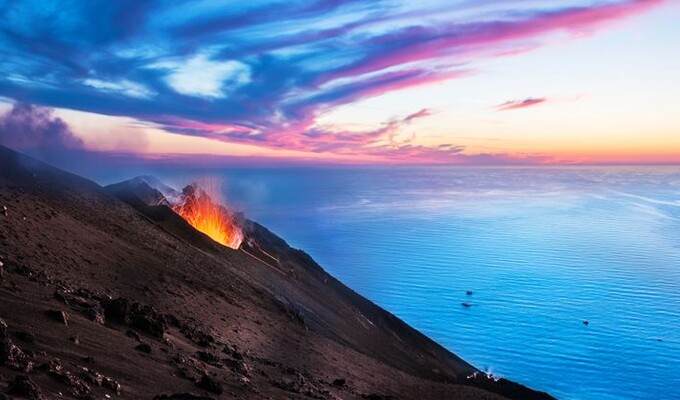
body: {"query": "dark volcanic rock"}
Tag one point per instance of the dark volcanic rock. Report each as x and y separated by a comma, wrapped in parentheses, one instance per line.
(238, 366)
(146, 319)
(182, 396)
(197, 336)
(144, 348)
(294, 385)
(117, 310)
(95, 314)
(133, 334)
(142, 317)
(58, 315)
(23, 386)
(209, 358)
(233, 351)
(339, 382)
(10, 354)
(24, 336)
(56, 370)
(100, 380)
(210, 384)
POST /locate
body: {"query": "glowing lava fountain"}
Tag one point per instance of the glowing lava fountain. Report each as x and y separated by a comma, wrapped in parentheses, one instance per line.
(198, 207)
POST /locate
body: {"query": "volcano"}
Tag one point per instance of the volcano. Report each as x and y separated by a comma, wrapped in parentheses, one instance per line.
(198, 207)
(112, 293)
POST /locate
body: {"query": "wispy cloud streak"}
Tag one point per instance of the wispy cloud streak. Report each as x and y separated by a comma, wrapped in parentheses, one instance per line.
(519, 104)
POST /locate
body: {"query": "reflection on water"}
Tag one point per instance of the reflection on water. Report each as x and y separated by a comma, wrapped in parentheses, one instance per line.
(543, 249)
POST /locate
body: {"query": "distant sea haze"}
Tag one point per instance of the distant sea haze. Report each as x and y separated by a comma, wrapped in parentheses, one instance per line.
(542, 249)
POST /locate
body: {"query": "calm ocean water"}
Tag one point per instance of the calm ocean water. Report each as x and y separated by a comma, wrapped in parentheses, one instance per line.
(543, 249)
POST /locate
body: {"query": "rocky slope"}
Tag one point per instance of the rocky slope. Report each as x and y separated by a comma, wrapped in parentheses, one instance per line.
(105, 296)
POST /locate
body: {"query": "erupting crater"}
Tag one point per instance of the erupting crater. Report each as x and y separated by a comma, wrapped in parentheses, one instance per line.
(197, 207)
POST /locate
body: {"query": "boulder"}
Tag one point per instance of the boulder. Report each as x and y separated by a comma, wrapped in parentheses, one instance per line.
(58, 315)
(95, 313)
(100, 380)
(339, 382)
(23, 386)
(144, 348)
(210, 384)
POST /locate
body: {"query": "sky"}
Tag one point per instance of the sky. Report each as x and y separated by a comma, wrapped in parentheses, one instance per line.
(343, 82)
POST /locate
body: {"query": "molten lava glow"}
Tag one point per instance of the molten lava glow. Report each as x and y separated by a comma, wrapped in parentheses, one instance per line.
(199, 209)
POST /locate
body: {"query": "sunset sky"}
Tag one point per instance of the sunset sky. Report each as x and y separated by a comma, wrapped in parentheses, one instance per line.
(327, 81)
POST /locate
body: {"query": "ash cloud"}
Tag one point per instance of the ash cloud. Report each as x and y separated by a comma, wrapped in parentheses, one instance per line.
(33, 128)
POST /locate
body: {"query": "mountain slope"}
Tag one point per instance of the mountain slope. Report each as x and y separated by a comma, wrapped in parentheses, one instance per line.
(160, 308)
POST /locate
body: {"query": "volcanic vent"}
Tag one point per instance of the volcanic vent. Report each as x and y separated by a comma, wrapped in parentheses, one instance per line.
(197, 207)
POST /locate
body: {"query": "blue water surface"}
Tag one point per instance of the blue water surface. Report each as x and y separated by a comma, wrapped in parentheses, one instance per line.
(543, 249)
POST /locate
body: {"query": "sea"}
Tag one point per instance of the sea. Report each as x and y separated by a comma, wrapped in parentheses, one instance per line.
(544, 251)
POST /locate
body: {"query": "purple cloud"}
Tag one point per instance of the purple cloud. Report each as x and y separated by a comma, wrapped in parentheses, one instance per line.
(29, 127)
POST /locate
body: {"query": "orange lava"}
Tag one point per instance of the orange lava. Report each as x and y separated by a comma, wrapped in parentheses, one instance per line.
(199, 209)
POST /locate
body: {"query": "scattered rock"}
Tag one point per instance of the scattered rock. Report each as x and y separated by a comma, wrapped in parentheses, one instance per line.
(197, 336)
(183, 372)
(23, 386)
(95, 314)
(10, 354)
(144, 348)
(3, 210)
(210, 384)
(142, 317)
(294, 385)
(233, 351)
(182, 396)
(339, 382)
(238, 366)
(133, 334)
(74, 339)
(77, 386)
(100, 380)
(58, 315)
(209, 358)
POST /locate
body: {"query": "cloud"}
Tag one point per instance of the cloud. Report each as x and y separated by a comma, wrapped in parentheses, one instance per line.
(518, 104)
(202, 77)
(29, 127)
(124, 87)
(260, 72)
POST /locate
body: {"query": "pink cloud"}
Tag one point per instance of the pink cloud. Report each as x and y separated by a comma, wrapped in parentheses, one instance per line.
(518, 104)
